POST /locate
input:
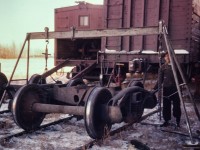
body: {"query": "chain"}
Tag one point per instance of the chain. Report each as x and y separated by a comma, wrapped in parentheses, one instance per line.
(46, 54)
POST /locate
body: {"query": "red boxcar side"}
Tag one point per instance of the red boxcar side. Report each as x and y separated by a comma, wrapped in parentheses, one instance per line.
(177, 14)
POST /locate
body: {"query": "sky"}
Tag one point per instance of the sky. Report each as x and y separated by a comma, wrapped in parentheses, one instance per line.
(18, 17)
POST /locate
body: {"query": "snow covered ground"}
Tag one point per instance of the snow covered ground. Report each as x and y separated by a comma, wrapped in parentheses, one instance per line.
(72, 134)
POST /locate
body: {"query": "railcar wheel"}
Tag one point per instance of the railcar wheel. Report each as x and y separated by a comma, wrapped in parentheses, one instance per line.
(94, 123)
(136, 104)
(133, 107)
(135, 83)
(138, 108)
(37, 79)
(75, 82)
(22, 104)
(3, 82)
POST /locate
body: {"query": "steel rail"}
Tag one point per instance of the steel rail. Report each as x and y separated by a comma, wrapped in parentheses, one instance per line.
(7, 138)
(180, 133)
(118, 130)
(4, 111)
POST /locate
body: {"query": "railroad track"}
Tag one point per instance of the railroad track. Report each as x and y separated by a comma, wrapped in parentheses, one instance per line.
(5, 139)
(67, 122)
(4, 111)
(127, 127)
(112, 133)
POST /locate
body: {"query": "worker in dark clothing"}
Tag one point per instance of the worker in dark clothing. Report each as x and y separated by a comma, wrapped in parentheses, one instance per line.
(170, 93)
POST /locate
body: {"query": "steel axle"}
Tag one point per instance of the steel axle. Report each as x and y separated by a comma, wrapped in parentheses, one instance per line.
(110, 114)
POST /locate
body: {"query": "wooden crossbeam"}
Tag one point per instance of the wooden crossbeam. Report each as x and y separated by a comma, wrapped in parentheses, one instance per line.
(94, 33)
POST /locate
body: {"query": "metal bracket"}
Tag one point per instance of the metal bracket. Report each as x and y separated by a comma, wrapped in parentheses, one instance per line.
(73, 33)
(160, 27)
(46, 29)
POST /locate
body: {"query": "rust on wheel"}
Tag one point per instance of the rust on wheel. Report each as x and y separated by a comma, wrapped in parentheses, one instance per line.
(37, 79)
(22, 104)
(94, 123)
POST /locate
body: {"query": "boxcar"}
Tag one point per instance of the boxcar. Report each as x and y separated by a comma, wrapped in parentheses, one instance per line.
(180, 16)
(84, 16)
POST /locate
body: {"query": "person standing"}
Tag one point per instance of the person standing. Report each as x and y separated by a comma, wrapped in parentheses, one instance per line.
(170, 93)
